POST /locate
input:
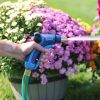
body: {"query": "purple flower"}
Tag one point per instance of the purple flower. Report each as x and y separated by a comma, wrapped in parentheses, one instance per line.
(45, 31)
(61, 51)
(80, 57)
(35, 74)
(70, 34)
(52, 67)
(41, 65)
(65, 31)
(70, 71)
(62, 71)
(51, 57)
(47, 65)
(87, 57)
(57, 22)
(54, 24)
(43, 79)
(69, 62)
(58, 64)
(47, 26)
(41, 70)
(67, 53)
(52, 31)
(75, 67)
(87, 48)
(65, 57)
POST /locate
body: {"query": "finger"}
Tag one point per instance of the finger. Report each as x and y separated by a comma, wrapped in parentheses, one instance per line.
(39, 47)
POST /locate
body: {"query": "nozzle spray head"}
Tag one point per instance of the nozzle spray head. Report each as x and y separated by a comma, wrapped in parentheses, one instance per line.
(64, 39)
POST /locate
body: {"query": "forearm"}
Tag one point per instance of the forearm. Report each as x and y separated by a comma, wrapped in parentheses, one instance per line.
(8, 48)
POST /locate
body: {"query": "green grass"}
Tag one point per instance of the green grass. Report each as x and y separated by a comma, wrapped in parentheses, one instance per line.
(85, 9)
(1, 1)
(5, 90)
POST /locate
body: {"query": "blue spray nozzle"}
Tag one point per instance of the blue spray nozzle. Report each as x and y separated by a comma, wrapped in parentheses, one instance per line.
(32, 60)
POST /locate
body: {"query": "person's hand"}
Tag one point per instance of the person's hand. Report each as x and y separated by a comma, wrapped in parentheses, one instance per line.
(27, 47)
(19, 51)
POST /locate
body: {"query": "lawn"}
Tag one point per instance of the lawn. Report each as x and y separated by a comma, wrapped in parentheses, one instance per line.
(85, 9)
(5, 90)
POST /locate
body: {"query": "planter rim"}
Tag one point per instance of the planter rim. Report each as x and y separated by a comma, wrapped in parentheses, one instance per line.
(50, 79)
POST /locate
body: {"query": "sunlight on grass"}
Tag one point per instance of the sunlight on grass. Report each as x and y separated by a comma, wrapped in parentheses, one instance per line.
(5, 90)
(85, 9)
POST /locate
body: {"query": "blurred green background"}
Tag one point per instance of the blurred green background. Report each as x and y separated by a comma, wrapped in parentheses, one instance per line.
(84, 9)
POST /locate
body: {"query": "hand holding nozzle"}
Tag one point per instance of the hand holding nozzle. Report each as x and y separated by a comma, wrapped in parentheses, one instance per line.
(32, 60)
(47, 41)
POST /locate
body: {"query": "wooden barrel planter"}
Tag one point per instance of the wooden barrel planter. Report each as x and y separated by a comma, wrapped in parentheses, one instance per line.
(55, 89)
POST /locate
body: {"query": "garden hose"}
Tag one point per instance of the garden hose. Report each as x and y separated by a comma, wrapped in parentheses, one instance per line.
(25, 84)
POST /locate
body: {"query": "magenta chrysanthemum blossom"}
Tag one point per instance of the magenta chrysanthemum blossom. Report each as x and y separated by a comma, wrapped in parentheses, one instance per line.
(35, 74)
(43, 79)
(62, 71)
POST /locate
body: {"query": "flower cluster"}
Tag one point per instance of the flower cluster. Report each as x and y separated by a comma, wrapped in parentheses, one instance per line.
(12, 27)
(95, 52)
(94, 62)
(65, 56)
(13, 24)
(95, 47)
(31, 17)
(87, 27)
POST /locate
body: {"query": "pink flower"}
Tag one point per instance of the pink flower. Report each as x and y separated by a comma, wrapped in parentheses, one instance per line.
(76, 50)
(47, 65)
(70, 34)
(75, 67)
(43, 79)
(52, 31)
(62, 71)
(70, 71)
(58, 64)
(41, 70)
(87, 48)
(80, 57)
(67, 53)
(69, 62)
(61, 51)
(35, 74)
(52, 67)
(87, 56)
(65, 57)
(41, 66)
